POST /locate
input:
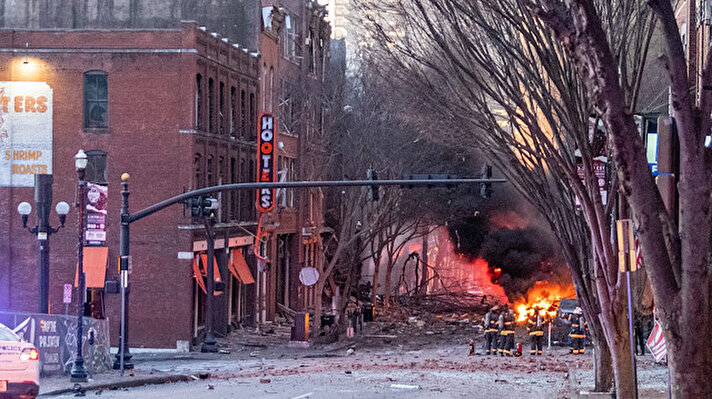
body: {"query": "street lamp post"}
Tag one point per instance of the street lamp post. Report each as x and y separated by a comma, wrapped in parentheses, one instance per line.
(43, 230)
(79, 373)
(123, 356)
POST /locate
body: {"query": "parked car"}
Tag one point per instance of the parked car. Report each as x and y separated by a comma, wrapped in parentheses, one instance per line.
(19, 366)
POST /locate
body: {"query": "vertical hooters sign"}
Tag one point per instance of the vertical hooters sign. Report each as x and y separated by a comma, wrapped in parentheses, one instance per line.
(266, 154)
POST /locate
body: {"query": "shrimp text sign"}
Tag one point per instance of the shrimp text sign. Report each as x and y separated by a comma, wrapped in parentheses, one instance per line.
(266, 165)
(25, 132)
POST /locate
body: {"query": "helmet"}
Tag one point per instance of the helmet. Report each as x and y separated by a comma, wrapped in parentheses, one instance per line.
(578, 311)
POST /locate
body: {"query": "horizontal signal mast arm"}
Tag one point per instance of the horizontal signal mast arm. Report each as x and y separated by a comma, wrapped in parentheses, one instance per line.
(297, 184)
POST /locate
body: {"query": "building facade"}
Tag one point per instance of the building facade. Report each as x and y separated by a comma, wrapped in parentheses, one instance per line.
(174, 108)
(294, 49)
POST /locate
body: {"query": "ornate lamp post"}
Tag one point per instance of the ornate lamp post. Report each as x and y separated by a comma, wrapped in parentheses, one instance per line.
(43, 200)
(79, 373)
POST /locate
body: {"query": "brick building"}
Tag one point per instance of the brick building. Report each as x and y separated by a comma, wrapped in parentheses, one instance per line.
(176, 108)
(294, 49)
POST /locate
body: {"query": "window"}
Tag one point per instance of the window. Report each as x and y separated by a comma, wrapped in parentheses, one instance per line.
(264, 86)
(311, 54)
(209, 171)
(222, 108)
(252, 193)
(199, 101)
(233, 111)
(96, 171)
(211, 105)
(252, 128)
(291, 49)
(233, 194)
(243, 115)
(197, 161)
(243, 195)
(271, 89)
(96, 100)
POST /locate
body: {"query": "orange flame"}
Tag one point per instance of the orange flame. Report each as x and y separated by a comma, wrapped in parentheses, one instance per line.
(545, 295)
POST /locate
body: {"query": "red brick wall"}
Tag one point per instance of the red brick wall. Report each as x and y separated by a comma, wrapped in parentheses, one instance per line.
(150, 136)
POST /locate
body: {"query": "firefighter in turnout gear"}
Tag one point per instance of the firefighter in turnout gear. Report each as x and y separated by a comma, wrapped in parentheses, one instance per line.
(578, 332)
(491, 329)
(506, 331)
(535, 327)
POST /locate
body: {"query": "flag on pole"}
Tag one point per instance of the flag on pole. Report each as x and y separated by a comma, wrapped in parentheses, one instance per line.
(638, 254)
(656, 342)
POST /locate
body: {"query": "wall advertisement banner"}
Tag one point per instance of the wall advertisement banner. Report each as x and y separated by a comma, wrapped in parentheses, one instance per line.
(55, 337)
(25, 132)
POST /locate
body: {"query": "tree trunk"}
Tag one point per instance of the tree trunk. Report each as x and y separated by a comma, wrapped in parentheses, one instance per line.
(690, 368)
(424, 265)
(602, 367)
(615, 327)
(387, 288)
(318, 306)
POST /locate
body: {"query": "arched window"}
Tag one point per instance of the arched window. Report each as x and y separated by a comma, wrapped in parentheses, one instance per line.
(96, 100)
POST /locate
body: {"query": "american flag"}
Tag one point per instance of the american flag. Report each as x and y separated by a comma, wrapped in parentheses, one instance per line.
(638, 253)
(656, 342)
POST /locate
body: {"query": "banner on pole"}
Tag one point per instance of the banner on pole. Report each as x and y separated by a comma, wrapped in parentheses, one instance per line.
(656, 342)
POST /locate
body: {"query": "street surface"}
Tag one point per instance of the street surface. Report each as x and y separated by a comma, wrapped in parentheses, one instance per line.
(416, 364)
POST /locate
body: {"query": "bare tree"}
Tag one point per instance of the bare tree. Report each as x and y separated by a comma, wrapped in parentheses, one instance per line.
(494, 78)
(677, 255)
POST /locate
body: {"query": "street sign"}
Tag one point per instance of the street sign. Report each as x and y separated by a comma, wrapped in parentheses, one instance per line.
(308, 276)
(67, 297)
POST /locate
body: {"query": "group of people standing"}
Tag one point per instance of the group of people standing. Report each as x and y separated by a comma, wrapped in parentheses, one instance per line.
(499, 323)
(499, 331)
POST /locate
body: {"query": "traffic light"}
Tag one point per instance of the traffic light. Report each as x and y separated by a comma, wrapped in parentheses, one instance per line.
(486, 188)
(202, 206)
(408, 176)
(373, 175)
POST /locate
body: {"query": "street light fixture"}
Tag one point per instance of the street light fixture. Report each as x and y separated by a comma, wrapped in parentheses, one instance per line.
(79, 373)
(43, 200)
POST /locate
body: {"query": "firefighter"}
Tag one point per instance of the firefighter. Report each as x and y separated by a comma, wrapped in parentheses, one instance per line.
(506, 331)
(578, 332)
(535, 326)
(491, 328)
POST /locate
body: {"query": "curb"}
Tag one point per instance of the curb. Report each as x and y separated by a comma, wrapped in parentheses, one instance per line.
(158, 380)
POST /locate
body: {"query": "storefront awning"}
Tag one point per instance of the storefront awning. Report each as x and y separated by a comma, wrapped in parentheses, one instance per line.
(216, 269)
(238, 267)
(201, 270)
(198, 274)
(94, 266)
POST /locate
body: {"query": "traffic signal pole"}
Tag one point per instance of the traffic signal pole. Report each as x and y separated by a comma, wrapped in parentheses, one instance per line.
(127, 218)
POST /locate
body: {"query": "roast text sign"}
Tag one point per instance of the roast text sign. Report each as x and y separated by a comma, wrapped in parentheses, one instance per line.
(25, 132)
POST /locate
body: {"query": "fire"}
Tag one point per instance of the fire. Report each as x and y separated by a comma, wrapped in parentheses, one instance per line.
(545, 295)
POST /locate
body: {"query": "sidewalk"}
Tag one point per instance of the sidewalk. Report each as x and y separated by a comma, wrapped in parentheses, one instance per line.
(111, 380)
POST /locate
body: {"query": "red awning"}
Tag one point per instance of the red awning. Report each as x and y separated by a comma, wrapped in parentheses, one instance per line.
(94, 266)
(239, 267)
(198, 274)
(202, 271)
